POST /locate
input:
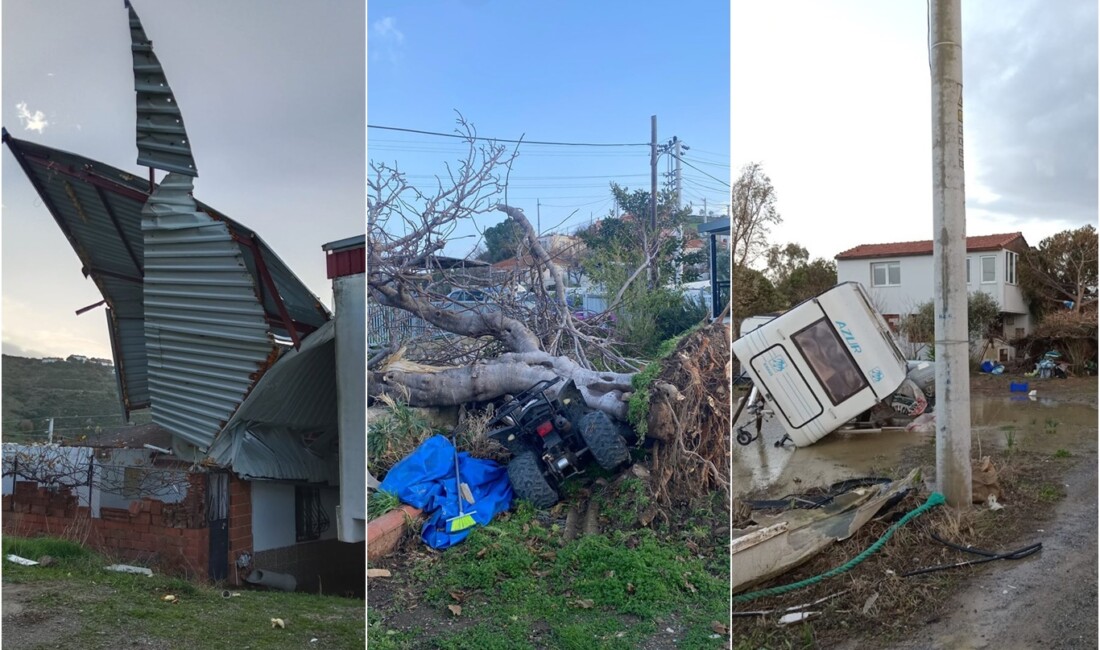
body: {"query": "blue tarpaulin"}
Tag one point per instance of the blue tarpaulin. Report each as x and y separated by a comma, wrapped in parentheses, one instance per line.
(425, 479)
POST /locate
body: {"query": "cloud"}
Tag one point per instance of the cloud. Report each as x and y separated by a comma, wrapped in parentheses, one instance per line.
(35, 121)
(386, 39)
(1031, 87)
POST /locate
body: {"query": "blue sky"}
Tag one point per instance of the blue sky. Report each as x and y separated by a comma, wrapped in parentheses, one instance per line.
(564, 71)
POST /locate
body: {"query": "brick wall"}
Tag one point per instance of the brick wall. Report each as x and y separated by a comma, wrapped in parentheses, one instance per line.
(240, 523)
(171, 538)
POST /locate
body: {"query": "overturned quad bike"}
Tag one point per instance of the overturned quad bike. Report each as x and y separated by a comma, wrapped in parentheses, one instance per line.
(553, 439)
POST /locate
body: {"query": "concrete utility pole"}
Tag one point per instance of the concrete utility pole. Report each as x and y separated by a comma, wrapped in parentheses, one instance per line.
(653, 174)
(953, 474)
(679, 177)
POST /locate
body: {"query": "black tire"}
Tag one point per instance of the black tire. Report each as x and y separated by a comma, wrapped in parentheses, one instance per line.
(528, 481)
(602, 438)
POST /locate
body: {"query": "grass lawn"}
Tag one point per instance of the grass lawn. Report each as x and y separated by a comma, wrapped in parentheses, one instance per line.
(76, 603)
(513, 584)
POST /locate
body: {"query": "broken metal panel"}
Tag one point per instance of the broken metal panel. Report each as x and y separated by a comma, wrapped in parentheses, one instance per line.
(131, 367)
(286, 427)
(210, 352)
(299, 390)
(273, 453)
(161, 137)
(206, 337)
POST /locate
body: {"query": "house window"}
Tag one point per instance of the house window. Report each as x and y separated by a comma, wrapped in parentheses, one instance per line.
(886, 274)
(989, 269)
(1010, 267)
(310, 518)
(1019, 332)
(968, 270)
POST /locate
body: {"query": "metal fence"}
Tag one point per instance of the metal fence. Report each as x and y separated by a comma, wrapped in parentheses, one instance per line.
(386, 322)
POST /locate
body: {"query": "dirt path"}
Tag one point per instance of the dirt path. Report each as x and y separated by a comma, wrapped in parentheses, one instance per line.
(1049, 601)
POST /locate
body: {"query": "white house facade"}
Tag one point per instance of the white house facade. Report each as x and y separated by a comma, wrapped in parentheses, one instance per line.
(899, 276)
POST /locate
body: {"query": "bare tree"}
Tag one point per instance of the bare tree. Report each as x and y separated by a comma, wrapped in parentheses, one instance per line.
(407, 229)
(752, 215)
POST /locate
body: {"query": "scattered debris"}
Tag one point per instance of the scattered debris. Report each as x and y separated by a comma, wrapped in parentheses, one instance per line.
(47, 560)
(378, 573)
(719, 628)
(21, 560)
(278, 623)
(169, 598)
(456, 610)
(992, 503)
(984, 481)
(797, 617)
(585, 603)
(870, 603)
(126, 568)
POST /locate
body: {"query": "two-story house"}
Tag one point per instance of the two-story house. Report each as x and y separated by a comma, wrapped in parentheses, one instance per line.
(899, 277)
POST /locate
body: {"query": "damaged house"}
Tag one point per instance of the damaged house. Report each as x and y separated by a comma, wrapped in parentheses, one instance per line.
(256, 387)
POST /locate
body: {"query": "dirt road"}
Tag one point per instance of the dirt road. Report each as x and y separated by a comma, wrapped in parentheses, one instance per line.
(1048, 601)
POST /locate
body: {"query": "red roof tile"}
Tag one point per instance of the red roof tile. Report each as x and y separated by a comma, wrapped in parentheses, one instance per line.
(901, 249)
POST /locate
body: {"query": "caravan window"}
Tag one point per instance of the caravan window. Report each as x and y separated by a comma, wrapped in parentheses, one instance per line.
(830, 361)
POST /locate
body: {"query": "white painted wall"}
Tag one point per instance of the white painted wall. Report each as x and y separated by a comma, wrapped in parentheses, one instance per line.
(350, 520)
(916, 283)
(273, 514)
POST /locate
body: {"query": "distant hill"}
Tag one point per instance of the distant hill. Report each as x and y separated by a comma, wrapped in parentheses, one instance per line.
(80, 396)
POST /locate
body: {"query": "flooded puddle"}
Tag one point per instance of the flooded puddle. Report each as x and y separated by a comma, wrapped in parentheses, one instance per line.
(1039, 425)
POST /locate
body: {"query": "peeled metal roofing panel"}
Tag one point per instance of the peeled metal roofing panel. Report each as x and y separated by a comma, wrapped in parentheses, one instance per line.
(263, 452)
(131, 362)
(206, 336)
(161, 138)
(295, 397)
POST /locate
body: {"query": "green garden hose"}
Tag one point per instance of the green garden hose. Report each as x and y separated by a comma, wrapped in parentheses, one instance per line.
(934, 499)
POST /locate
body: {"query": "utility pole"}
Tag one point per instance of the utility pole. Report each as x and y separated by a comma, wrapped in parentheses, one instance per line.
(653, 174)
(679, 177)
(538, 216)
(953, 473)
(49, 433)
(651, 272)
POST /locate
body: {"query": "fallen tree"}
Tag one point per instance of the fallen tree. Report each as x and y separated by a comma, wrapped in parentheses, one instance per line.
(511, 344)
(405, 270)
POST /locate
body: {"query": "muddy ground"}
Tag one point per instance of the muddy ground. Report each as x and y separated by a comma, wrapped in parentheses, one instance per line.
(1045, 451)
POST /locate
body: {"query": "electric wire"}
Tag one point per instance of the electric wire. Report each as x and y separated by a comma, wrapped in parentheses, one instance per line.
(541, 142)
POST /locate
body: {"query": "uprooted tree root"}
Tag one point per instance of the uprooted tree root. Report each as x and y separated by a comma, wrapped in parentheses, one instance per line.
(689, 418)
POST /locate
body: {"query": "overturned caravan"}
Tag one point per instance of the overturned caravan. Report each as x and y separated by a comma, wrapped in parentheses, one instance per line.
(829, 361)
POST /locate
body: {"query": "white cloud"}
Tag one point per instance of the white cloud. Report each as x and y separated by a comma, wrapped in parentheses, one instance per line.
(386, 29)
(35, 121)
(386, 39)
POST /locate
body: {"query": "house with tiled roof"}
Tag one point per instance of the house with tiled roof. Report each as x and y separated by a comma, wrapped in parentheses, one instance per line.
(899, 276)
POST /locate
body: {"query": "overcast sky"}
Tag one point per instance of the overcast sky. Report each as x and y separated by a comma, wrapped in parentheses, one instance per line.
(272, 95)
(573, 71)
(834, 99)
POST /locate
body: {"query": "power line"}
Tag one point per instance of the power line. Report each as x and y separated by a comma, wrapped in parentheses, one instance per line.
(726, 183)
(543, 142)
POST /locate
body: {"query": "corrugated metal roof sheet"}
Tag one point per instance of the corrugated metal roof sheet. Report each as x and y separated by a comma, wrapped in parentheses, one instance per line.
(205, 333)
(98, 207)
(296, 398)
(161, 138)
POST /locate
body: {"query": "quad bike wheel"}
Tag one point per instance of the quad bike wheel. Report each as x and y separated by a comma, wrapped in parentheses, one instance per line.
(602, 438)
(528, 481)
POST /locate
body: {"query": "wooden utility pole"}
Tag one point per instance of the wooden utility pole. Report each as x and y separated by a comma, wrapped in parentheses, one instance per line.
(953, 472)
